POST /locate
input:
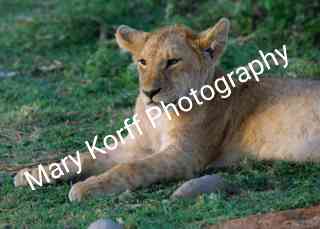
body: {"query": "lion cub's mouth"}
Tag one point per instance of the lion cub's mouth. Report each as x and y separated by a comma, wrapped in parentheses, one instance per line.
(155, 103)
(173, 101)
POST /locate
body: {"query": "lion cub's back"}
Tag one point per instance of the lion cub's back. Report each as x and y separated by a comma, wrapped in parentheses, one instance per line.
(286, 125)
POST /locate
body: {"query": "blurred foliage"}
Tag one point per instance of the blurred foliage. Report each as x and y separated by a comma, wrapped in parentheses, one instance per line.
(265, 24)
(273, 20)
(301, 19)
(88, 17)
(106, 62)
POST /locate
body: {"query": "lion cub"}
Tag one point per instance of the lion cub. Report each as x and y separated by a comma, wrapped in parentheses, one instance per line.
(272, 119)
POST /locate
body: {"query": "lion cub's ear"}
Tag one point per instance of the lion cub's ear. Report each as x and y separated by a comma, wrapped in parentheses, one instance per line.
(131, 39)
(214, 39)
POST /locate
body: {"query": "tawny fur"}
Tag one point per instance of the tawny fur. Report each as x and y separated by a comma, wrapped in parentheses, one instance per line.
(271, 119)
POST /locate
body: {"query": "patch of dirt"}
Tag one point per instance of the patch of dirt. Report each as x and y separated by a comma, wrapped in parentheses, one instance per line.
(303, 218)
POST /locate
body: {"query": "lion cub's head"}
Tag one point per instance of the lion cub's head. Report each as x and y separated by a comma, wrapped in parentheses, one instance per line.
(173, 59)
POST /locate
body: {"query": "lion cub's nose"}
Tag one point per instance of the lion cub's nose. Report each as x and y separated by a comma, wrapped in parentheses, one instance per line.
(152, 92)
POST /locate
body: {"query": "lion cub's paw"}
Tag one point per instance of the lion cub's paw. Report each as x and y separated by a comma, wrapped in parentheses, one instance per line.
(19, 179)
(78, 192)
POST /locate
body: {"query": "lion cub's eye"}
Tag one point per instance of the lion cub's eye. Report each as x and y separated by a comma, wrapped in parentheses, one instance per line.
(210, 51)
(142, 62)
(172, 62)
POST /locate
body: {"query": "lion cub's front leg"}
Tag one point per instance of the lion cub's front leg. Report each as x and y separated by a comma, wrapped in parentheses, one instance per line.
(167, 165)
(90, 166)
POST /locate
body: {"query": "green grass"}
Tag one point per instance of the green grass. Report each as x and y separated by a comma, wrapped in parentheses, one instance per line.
(50, 114)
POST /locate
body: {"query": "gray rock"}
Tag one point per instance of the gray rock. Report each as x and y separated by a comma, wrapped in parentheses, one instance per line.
(6, 74)
(125, 196)
(105, 224)
(201, 185)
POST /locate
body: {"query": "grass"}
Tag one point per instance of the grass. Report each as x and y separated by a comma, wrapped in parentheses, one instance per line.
(48, 114)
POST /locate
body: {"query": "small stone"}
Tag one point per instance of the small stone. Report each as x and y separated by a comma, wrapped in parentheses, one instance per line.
(201, 185)
(125, 196)
(105, 224)
(6, 74)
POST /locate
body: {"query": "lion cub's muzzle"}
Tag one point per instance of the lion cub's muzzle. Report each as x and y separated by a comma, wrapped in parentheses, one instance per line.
(151, 93)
